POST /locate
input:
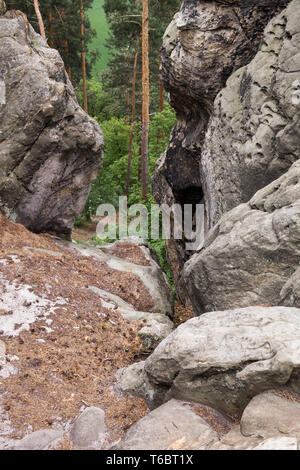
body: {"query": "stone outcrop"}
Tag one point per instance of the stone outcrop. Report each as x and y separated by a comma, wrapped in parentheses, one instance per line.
(251, 256)
(223, 359)
(88, 430)
(172, 426)
(50, 149)
(159, 298)
(205, 43)
(269, 414)
(269, 422)
(44, 439)
(253, 136)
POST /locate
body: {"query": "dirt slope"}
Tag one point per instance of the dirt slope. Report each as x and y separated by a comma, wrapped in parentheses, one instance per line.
(63, 342)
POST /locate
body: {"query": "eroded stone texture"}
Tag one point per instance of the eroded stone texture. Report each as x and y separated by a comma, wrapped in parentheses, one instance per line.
(268, 415)
(254, 133)
(204, 44)
(223, 359)
(44, 439)
(173, 425)
(88, 430)
(252, 254)
(50, 149)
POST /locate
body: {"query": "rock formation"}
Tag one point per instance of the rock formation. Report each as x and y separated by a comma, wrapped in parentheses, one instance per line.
(171, 425)
(252, 254)
(50, 149)
(205, 43)
(222, 359)
(259, 419)
(77, 316)
(242, 357)
(254, 133)
(270, 422)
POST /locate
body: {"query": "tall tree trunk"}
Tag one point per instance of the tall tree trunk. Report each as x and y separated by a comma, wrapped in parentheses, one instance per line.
(40, 19)
(133, 104)
(161, 90)
(127, 107)
(83, 59)
(145, 98)
(160, 133)
(68, 68)
(50, 29)
(61, 15)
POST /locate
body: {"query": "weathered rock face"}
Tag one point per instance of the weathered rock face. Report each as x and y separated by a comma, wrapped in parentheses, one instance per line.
(45, 439)
(203, 45)
(88, 430)
(156, 295)
(269, 414)
(254, 133)
(251, 256)
(223, 359)
(171, 426)
(270, 421)
(50, 150)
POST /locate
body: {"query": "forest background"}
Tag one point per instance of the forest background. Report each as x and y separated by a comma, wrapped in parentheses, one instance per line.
(107, 36)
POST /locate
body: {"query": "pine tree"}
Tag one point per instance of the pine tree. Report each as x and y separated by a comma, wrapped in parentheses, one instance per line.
(125, 22)
(145, 98)
(133, 113)
(83, 57)
(62, 24)
(40, 19)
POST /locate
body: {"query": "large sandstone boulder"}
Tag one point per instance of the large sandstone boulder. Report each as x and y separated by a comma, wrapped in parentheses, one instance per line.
(88, 430)
(251, 256)
(235, 440)
(204, 44)
(254, 133)
(172, 426)
(223, 359)
(270, 422)
(50, 149)
(269, 414)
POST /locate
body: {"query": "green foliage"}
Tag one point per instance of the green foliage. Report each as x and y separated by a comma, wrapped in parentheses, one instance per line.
(160, 248)
(124, 20)
(99, 102)
(111, 181)
(65, 27)
(98, 21)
